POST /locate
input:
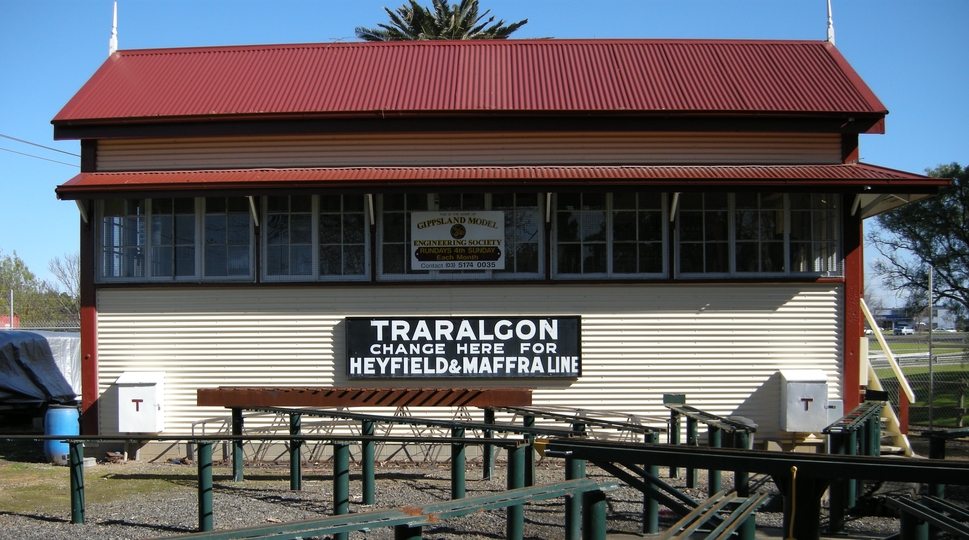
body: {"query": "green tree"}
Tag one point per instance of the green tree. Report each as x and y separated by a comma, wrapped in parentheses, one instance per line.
(32, 297)
(930, 232)
(413, 22)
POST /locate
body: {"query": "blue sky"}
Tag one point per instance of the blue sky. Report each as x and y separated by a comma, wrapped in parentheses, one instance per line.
(912, 53)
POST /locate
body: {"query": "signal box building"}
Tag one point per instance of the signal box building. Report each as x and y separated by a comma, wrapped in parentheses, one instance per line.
(605, 221)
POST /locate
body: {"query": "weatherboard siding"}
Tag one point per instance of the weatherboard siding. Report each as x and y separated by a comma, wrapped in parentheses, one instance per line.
(455, 149)
(720, 344)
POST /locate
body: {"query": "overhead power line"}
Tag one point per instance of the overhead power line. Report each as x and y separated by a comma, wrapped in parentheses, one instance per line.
(38, 157)
(37, 145)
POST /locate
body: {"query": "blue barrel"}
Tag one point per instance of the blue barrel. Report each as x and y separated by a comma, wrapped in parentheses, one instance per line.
(60, 420)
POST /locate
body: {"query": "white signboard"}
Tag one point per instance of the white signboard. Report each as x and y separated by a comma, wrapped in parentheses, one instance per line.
(457, 240)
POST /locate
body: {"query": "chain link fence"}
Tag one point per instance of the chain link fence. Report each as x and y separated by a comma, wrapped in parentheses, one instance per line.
(48, 325)
(940, 388)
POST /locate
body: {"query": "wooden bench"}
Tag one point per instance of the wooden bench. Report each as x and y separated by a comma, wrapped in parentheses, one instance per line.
(406, 520)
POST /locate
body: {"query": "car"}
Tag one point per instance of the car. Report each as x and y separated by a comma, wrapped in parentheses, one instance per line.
(869, 331)
(904, 331)
(945, 329)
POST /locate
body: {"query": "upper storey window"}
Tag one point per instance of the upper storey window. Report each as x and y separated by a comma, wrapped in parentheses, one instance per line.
(175, 239)
(721, 234)
(609, 235)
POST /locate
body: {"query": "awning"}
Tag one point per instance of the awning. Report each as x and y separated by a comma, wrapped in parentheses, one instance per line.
(879, 188)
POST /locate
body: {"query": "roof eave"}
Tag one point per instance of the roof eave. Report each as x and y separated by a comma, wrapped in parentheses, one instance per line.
(491, 120)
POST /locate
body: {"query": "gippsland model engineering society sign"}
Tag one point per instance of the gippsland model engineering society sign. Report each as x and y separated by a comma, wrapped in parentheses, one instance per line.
(422, 347)
(457, 240)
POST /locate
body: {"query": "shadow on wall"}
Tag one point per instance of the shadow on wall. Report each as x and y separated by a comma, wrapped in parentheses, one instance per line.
(763, 407)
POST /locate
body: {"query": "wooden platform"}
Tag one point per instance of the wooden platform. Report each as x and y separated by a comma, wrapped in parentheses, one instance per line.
(259, 396)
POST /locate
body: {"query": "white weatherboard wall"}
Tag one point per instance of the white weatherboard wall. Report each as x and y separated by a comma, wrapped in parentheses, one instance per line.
(720, 344)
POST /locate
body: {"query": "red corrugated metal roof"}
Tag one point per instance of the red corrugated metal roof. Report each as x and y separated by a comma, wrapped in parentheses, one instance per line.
(473, 77)
(86, 184)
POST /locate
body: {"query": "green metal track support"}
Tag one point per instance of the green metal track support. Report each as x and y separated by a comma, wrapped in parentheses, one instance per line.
(457, 464)
(341, 483)
(367, 449)
(650, 504)
(574, 469)
(295, 459)
(529, 422)
(408, 532)
(205, 485)
(594, 515)
(674, 438)
(741, 484)
(488, 452)
(714, 482)
(515, 514)
(237, 453)
(76, 461)
(692, 439)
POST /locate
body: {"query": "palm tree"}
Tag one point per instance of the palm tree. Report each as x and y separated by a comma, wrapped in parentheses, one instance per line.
(414, 22)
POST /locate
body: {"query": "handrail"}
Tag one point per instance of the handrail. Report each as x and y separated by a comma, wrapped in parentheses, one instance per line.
(902, 381)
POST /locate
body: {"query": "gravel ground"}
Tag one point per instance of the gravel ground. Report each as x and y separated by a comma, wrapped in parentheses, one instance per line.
(264, 498)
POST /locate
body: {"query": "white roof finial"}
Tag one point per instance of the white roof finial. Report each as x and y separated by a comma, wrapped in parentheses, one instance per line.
(113, 42)
(830, 25)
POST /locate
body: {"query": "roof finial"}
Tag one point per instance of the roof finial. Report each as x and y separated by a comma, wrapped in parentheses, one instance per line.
(830, 25)
(113, 42)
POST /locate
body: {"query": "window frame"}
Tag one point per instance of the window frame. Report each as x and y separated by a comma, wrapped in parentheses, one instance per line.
(433, 205)
(835, 259)
(314, 275)
(610, 241)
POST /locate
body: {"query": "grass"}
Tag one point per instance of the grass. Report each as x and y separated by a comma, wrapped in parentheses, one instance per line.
(916, 346)
(947, 389)
(33, 487)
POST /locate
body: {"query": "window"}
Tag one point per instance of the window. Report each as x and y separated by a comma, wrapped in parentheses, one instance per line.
(157, 239)
(123, 240)
(228, 237)
(609, 235)
(148, 239)
(703, 233)
(814, 233)
(172, 237)
(312, 237)
(757, 234)
(289, 236)
(523, 234)
(344, 234)
(759, 226)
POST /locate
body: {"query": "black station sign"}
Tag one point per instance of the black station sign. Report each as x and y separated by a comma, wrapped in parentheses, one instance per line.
(463, 347)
